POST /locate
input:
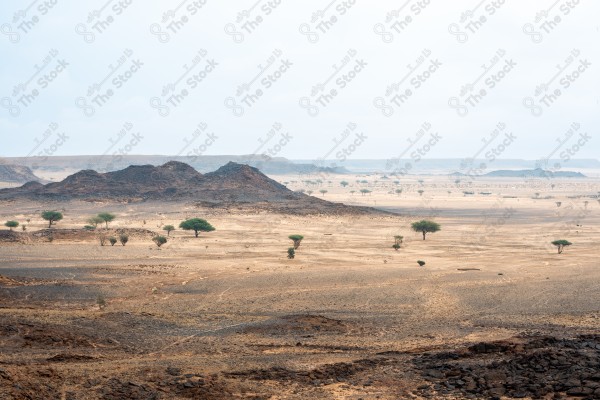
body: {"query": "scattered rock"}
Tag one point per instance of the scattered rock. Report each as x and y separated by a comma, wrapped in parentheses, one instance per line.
(70, 358)
(526, 367)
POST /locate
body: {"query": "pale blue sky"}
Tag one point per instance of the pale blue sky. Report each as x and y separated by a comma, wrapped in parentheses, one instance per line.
(370, 45)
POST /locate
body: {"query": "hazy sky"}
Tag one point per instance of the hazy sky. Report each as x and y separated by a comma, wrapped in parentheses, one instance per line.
(327, 78)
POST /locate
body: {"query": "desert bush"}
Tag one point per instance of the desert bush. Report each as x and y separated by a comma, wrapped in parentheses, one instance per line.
(101, 301)
(106, 217)
(11, 224)
(50, 238)
(52, 217)
(123, 238)
(102, 239)
(296, 239)
(112, 240)
(89, 227)
(421, 263)
(23, 228)
(168, 228)
(397, 242)
(159, 240)
(196, 225)
(425, 227)
(291, 253)
(561, 244)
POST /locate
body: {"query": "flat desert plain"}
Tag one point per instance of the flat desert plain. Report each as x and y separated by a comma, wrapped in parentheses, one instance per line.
(494, 313)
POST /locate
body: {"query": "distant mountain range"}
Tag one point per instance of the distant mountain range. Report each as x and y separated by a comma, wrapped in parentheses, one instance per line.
(232, 185)
(202, 163)
(16, 174)
(537, 173)
(443, 166)
(528, 173)
(62, 165)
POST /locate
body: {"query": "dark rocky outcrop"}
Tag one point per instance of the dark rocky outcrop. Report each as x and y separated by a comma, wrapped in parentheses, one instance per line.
(232, 185)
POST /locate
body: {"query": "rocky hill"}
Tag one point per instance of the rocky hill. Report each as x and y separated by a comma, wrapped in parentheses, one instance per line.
(16, 174)
(232, 185)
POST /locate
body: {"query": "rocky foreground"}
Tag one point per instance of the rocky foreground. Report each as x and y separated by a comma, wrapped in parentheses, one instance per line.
(527, 366)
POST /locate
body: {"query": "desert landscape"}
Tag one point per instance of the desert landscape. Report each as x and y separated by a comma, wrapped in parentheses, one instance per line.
(494, 312)
(299, 200)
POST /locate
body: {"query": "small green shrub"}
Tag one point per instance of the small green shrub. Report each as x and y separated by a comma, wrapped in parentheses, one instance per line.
(159, 240)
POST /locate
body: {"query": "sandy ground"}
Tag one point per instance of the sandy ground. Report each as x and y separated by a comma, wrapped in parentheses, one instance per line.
(227, 315)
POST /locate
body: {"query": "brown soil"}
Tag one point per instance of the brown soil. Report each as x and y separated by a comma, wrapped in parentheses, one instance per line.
(228, 316)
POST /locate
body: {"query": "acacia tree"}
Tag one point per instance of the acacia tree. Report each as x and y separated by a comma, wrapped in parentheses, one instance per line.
(52, 217)
(425, 227)
(344, 183)
(107, 217)
(296, 239)
(11, 224)
(196, 225)
(323, 191)
(168, 228)
(561, 244)
(95, 221)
